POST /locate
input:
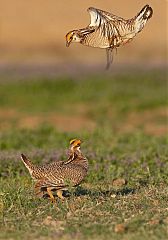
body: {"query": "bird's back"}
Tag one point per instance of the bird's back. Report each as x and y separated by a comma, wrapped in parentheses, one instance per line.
(112, 31)
(43, 170)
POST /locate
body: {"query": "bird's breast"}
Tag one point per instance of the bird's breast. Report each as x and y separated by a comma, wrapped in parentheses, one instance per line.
(96, 39)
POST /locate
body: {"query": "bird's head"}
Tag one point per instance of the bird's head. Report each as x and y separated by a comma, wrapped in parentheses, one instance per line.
(75, 144)
(73, 36)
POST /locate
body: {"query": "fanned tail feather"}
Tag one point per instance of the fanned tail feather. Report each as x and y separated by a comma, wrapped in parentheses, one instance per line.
(142, 17)
(145, 13)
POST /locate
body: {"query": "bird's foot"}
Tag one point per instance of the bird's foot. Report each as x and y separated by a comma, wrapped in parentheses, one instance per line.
(52, 200)
(59, 194)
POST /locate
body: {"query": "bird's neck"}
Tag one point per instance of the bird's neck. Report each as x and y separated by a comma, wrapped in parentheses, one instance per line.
(80, 159)
(84, 33)
(76, 157)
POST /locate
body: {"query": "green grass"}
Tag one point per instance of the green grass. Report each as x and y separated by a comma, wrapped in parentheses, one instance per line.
(114, 149)
(126, 92)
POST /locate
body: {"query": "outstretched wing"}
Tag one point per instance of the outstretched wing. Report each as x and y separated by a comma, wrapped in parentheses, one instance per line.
(99, 17)
(104, 22)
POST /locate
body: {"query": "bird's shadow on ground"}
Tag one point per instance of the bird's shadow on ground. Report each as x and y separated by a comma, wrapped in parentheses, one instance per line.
(79, 191)
(122, 192)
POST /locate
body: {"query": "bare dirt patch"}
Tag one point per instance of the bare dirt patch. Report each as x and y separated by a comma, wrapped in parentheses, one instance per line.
(62, 122)
(10, 118)
(154, 122)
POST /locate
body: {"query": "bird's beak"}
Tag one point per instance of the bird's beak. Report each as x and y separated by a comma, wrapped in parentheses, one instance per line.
(78, 143)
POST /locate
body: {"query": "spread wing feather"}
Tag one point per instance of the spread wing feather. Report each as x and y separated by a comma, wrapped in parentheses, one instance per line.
(105, 21)
(98, 16)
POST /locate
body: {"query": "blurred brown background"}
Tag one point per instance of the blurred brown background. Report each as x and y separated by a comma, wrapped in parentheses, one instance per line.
(33, 32)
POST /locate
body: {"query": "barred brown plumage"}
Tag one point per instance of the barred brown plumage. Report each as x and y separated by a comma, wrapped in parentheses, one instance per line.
(109, 31)
(59, 175)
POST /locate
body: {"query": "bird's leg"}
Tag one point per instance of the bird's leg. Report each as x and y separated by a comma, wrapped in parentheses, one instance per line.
(109, 57)
(50, 194)
(59, 194)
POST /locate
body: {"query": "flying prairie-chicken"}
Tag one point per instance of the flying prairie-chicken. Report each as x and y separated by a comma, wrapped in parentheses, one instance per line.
(109, 31)
(59, 175)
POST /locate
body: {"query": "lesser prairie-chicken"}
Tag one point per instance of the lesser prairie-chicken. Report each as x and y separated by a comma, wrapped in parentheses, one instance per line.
(58, 175)
(109, 31)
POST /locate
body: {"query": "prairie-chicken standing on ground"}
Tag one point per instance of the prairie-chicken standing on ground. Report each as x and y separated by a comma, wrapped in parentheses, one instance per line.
(59, 174)
(109, 31)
